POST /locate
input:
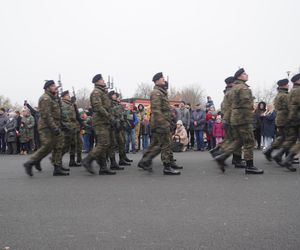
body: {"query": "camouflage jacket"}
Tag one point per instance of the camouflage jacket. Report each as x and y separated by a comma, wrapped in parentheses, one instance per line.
(69, 121)
(117, 112)
(161, 113)
(281, 107)
(294, 106)
(226, 106)
(50, 113)
(101, 106)
(242, 104)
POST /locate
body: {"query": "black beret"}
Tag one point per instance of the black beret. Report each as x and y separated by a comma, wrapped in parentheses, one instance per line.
(238, 73)
(229, 80)
(111, 93)
(48, 83)
(96, 78)
(64, 93)
(157, 76)
(118, 95)
(283, 82)
(295, 78)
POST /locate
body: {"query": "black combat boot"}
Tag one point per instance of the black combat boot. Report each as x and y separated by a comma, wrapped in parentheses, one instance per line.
(175, 166)
(268, 153)
(58, 171)
(78, 160)
(64, 169)
(114, 165)
(250, 169)
(126, 158)
(122, 161)
(104, 170)
(168, 170)
(87, 163)
(28, 167)
(72, 162)
(288, 162)
(278, 156)
(145, 165)
(237, 161)
(220, 159)
(213, 151)
(37, 166)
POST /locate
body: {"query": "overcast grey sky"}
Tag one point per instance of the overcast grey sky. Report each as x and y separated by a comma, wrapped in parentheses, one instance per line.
(192, 41)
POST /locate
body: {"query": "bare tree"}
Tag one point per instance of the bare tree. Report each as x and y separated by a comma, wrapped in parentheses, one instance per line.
(5, 102)
(83, 98)
(143, 90)
(193, 94)
(266, 94)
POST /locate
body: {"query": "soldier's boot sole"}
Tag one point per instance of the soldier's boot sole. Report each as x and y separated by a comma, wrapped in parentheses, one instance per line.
(124, 163)
(116, 168)
(253, 171)
(106, 172)
(171, 172)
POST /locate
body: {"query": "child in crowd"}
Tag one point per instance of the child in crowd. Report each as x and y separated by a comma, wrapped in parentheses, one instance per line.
(218, 131)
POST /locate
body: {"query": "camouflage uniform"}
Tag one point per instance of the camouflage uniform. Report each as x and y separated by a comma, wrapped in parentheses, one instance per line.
(102, 121)
(160, 124)
(76, 145)
(69, 125)
(49, 129)
(281, 108)
(293, 120)
(241, 120)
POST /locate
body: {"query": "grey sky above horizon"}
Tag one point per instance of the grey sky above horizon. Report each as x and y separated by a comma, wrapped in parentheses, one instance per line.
(194, 42)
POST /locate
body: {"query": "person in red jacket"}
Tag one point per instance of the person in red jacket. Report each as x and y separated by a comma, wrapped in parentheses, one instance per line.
(218, 130)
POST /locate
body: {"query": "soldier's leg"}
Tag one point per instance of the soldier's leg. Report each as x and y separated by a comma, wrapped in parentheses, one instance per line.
(78, 147)
(103, 139)
(57, 150)
(152, 151)
(47, 144)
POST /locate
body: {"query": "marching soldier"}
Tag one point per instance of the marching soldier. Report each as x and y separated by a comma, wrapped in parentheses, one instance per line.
(102, 121)
(160, 124)
(242, 124)
(49, 130)
(281, 108)
(68, 125)
(115, 127)
(294, 123)
(226, 108)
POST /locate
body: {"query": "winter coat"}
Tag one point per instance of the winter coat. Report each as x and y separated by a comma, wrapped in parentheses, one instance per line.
(23, 135)
(184, 116)
(3, 121)
(268, 125)
(10, 129)
(181, 132)
(199, 117)
(258, 112)
(29, 125)
(218, 130)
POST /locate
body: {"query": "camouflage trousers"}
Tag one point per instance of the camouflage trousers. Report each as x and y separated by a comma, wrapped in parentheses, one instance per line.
(280, 137)
(102, 134)
(113, 147)
(291, 137)
(160, 143)
(76, 145)
(243, 137)
(290, 143)
(228, 139)
(69, 139)
(120, 138)
(49, 143)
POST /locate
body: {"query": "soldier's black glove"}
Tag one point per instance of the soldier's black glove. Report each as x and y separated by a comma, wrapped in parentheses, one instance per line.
(56, 131)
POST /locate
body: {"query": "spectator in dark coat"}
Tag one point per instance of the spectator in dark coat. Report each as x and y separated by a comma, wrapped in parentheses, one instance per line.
(268, 125)
(36, 115)
(190, 131)
(11, 134)
(3, 121)
(198, 120)
(260, 109)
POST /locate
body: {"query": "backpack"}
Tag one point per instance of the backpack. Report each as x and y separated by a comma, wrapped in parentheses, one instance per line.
(177, 145)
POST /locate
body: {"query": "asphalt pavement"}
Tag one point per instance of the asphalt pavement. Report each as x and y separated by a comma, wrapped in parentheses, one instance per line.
(200, 209)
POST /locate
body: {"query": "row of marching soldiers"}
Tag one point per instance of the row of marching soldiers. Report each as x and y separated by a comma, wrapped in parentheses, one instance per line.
(57, 128)
(237, 108)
